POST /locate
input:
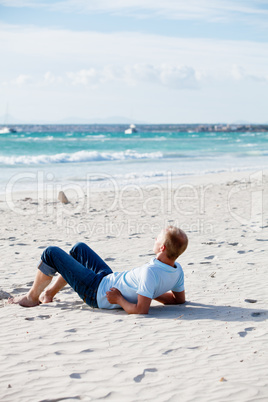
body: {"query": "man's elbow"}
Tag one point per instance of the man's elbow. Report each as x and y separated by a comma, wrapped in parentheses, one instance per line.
(181, 300)
(179, 297)
(142, 311)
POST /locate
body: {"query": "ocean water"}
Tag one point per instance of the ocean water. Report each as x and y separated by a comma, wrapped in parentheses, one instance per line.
(102, 154)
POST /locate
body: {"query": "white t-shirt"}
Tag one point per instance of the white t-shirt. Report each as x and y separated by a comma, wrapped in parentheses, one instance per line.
(150, 280)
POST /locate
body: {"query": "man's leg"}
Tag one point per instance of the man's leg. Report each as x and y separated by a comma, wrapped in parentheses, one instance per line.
(31, 299)
(82, 253)
(50, 292)
(85, 256)
(84, 279)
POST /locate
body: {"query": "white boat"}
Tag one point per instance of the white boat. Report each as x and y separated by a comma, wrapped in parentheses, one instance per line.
(7, 130)
(132, 129)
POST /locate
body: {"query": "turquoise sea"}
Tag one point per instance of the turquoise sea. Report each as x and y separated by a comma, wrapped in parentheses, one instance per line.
(66, 154)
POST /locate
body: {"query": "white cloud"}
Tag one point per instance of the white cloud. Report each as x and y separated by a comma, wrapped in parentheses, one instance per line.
(21, 79)
(18, 3)
(176, 77)
(65, 62)
(218, 10)
(239, 73)
(179, 77)
(54, 49)
(84, 77)
(50, 78)
(93, 58)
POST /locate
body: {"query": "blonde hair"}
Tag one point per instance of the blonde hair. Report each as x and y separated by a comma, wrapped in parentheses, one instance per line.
(176, 242)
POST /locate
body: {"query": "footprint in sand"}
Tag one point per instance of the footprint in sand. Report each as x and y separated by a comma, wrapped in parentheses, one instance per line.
(109, 259)
(210, 257)
(86, 351)
(244, 333)
(4, 295)
(140, 377)
(169, 351)
(75, 375)
(256, 314)
(39, 317)
(78, 398)
(20, 290)
(43, 317)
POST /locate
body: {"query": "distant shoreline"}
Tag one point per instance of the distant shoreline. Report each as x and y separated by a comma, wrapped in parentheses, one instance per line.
(195, 128)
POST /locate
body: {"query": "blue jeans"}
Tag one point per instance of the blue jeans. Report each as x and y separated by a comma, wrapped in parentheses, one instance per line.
(83, 269)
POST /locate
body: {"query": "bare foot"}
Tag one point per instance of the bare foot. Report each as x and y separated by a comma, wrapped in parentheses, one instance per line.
(24, 301)
(45, 297)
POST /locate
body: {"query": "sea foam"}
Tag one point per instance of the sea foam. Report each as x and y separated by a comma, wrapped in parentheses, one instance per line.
(78, 157)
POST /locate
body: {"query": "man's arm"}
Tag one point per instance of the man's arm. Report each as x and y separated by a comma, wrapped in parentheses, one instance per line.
(114, 296)
(172, 298)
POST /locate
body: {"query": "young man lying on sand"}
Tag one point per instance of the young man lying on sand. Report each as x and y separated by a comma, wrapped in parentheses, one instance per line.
(100, 287)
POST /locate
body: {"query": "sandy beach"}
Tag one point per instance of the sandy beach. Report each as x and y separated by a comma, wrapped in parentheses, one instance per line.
(213, 348)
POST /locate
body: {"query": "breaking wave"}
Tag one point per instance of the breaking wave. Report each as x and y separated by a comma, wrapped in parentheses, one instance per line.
(78, 157)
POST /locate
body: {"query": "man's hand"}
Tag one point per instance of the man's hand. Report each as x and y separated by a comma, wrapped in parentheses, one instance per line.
(113, 296)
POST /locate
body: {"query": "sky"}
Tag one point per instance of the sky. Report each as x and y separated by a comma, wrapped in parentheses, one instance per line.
(172, 61)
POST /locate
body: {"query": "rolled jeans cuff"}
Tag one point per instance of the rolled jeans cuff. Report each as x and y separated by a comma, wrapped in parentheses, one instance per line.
(46, 269)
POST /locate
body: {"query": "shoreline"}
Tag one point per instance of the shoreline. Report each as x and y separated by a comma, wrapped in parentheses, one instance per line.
(50, 189)
(190, 127)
